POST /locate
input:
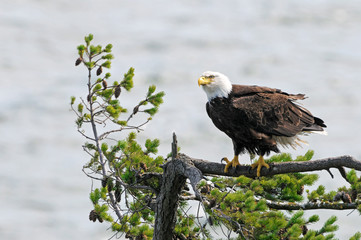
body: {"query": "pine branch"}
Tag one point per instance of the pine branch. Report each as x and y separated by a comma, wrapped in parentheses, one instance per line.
(101, 156)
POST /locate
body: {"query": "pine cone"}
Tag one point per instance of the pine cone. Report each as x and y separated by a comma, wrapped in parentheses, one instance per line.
(281, 232)
(304, 229)
(136, 109)
(105, 84)
(346, 198)
(338, 196)
(104, 181)
(212, 203)
(93, 215)
(117, 91)
(141, 237)
(100, 219)
(78, 61)
(99, 70)
(353, 195)
(206, 189)
(143, 166)
(118, 192)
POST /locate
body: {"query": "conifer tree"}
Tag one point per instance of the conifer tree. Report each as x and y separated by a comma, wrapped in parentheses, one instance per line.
(145, 196)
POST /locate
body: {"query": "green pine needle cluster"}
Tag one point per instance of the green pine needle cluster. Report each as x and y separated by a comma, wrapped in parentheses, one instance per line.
(100, 91)
(127, 82)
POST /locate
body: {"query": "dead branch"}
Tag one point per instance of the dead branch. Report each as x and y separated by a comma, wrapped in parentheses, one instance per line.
(214, 168)
(310, 205)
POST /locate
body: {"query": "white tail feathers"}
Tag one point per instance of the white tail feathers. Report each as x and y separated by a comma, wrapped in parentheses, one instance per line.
(324, 132)
(295, 140)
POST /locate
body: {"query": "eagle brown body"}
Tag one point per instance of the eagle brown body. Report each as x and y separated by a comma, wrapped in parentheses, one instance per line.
(253, 117)
(257, 119)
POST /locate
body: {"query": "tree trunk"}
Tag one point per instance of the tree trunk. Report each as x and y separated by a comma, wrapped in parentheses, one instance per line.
(167, 200)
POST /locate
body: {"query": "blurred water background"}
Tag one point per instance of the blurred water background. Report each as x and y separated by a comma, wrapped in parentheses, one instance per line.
(310, 47)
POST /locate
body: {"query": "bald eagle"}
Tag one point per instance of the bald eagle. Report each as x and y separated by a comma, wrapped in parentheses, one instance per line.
(257, 119)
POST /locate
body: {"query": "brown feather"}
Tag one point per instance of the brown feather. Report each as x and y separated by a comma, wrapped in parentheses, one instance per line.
(252, 115)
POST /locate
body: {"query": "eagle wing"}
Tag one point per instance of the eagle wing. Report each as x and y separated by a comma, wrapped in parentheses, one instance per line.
(272, 112)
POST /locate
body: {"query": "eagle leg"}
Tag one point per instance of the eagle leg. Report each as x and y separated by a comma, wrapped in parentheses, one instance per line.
(232, 163)
(259, 164)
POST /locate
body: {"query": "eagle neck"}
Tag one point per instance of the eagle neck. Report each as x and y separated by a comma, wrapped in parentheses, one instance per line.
(222, 92)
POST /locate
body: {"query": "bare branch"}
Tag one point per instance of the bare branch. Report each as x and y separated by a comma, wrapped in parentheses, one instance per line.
(84, 103)
(190, 197)
(310, 205)
(213, 168)
(86, 136)
(206, 167)
(148, 175)
(138, 128)
(136, 107)
(238, 228)
(76, 112)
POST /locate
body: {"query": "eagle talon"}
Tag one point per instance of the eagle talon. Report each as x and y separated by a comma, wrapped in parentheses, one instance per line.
(225, 159)
(234, 163)
(259, 164)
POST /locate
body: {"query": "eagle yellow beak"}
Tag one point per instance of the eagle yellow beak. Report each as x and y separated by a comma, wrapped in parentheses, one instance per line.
(204, 81)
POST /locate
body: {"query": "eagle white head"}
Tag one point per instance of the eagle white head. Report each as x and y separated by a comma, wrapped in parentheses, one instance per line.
(215, 84)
